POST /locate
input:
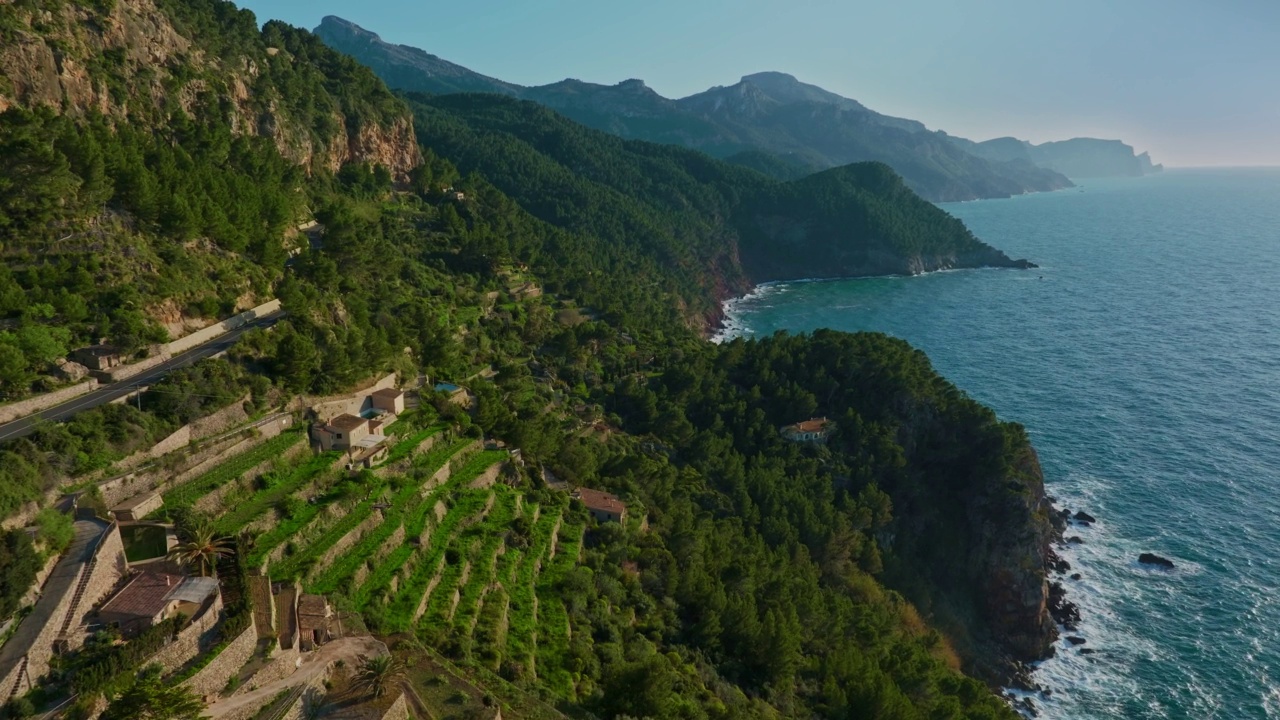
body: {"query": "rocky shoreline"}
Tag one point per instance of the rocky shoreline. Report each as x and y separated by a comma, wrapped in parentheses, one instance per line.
(1065, 615)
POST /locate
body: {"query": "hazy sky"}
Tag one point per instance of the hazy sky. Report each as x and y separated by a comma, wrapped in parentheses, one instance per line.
(1195, 82)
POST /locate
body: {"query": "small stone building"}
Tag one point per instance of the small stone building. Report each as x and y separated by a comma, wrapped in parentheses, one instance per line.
(341, 433)
(603, 506)
(99, 357)
(149, 598)
(390, 400)
(813, 430)
(314, 618)
(138, 506)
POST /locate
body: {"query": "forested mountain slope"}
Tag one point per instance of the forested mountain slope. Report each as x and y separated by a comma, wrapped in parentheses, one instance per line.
(801, 125)
(142, 181)
(718, 227)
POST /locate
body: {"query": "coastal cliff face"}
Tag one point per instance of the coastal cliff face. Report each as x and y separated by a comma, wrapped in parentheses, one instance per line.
(976, 553)
(134, 61)
(1015, 532)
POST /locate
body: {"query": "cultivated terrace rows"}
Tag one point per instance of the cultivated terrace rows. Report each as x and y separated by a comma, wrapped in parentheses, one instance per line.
(426, 543)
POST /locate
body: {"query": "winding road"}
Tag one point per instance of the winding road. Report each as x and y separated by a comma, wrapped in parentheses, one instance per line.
(114, 391)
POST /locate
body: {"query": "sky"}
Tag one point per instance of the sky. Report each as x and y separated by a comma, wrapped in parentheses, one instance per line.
(1194, 82)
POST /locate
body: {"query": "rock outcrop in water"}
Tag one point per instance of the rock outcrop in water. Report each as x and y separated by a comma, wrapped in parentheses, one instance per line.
(1156, 560)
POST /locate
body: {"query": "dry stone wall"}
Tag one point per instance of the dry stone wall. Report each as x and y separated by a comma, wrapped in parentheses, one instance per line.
(120, 488)
(346, 542)
(330, 407)
(213, 677)
(220, 421)
(30, 406)
(283, 664)
(190, 640)
(103, 577)
(108, 568)
(490, 476)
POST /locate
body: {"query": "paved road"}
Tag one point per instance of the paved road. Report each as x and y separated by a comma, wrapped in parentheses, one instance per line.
(107, 393)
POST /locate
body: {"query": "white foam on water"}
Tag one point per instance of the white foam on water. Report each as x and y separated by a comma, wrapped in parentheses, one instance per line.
(736, 309)
(1087, 685)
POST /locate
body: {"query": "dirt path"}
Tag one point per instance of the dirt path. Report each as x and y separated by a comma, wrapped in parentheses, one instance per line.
(314, 667)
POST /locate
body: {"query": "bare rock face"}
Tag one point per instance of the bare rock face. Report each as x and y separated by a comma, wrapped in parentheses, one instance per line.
(58, 62)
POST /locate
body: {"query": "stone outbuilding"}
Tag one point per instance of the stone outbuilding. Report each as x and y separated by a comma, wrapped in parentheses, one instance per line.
(389, 400)
(603, 506)
(99, 357)
(314, 619)
(138, 507)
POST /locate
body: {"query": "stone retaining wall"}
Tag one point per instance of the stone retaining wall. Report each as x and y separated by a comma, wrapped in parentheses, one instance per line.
(212, 678)
(282, 664)
(445, 472)
(200, 337)
(124, 372)
(489, 476)
(346, 542)
(120, 488)
(109, 568)
(190, 640)
(330, 407)
(31, 406)
(102, 579)
(393, 541)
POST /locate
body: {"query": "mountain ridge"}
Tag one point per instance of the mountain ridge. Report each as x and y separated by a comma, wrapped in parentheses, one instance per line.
(773, 112)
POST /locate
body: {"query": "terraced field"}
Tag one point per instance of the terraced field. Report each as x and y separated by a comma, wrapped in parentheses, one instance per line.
(430, 544)
(186, 494)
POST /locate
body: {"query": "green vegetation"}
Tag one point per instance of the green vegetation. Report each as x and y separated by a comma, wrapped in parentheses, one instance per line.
(144, 542)
(401, 449)
(408, 499)
(19, 563)
(151, 698)
(276, 488)
(186, 494)
(755, 579)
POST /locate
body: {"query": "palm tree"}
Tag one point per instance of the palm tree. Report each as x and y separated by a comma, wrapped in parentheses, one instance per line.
(202, 550)
(376, 675)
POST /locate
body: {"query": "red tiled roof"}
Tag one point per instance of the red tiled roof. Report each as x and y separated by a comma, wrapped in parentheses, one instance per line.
(145, 596)
(599, 500)
(812, 425)
(389, 393)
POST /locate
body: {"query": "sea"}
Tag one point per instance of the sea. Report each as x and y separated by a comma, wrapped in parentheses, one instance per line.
(1143, 356)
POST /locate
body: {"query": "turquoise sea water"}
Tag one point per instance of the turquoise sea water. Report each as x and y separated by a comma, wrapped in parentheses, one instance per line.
(1144, 359)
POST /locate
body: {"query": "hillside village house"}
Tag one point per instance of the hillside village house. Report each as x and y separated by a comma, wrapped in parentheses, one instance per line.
(149, 598)
(603, 506)
(342, 433)
(814, 430)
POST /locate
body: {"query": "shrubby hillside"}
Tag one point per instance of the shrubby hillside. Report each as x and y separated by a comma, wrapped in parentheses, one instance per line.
(159, 174)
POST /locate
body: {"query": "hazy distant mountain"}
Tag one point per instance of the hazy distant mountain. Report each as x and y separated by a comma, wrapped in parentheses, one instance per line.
(769, 121)
(404, 67)
(1076, 158)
